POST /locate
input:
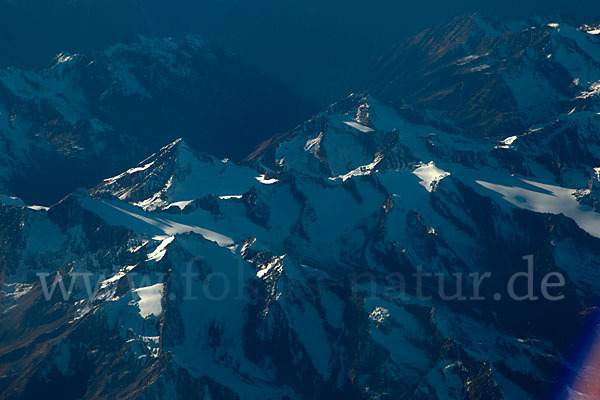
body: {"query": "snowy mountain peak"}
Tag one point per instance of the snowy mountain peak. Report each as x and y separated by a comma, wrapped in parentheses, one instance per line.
(176, 174)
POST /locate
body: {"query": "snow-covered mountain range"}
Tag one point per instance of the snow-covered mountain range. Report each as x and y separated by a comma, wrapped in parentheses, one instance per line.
(492, 78)
(84, 117)
(194, 276)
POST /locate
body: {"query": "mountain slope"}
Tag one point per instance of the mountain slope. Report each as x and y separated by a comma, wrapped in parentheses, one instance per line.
(280, 278)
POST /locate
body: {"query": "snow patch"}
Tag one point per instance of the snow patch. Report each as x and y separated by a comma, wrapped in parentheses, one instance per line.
(430, 175)
(379, 315)
(591, 29)
(314, 145)
(262, 179)
(480, 68)
(552, 199)
(360, 171)
(358, 126)
(506, 143)
(181, 204)
(38, 208)
(160, 226)
(65, 58)
(468, 59)
(276, 262)
(161, 250)
(150, 300)
(107, 282)
(593, 90)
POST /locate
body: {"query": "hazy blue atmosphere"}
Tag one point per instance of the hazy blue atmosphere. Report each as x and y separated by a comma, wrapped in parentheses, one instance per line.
(311, 46)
